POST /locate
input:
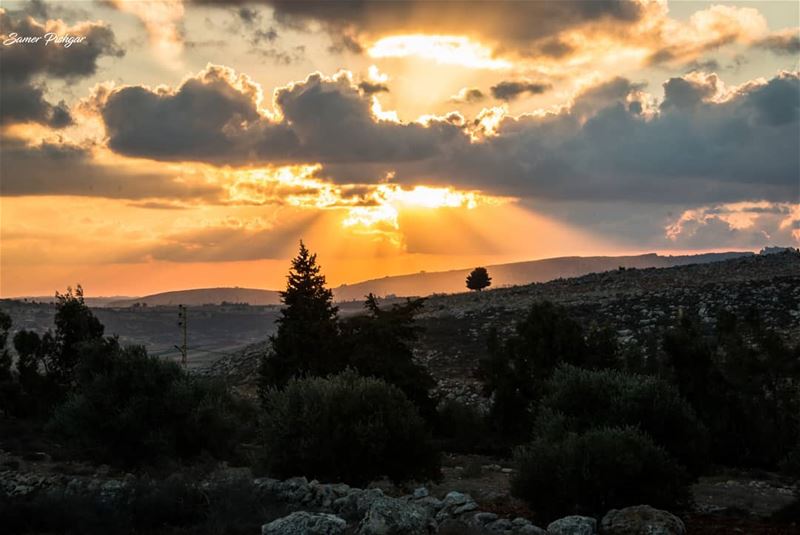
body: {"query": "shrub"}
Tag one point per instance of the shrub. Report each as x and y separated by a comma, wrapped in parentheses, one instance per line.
(345, 428)
(596, 471)
(516, 367)
(465, 429)
(589, 399)
(130, 408)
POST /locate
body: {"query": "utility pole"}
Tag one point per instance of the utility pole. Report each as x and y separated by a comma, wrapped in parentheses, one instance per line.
(182, 321)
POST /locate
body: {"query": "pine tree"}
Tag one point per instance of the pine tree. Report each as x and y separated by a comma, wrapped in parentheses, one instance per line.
(307, 341)
(479, 279)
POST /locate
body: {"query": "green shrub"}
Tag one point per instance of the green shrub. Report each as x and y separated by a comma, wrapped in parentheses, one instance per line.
(345, 428)
(590, 399)
(130, 408)
(596, 471)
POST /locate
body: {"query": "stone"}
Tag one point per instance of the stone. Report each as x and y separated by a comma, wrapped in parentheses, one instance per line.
(573, 525)
(420, 492)
(304, 523)
(641, 520)
(390, 516)
(483, 518)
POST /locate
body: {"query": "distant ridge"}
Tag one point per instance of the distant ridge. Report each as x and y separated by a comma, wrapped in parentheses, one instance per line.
(204, 296)
(519, 273)
(437, 282)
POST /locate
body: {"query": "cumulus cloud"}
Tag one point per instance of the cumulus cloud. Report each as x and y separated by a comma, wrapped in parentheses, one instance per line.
(509, 90)
(24, 66)
(752, 224)
(216, 117)
(704, 143)
(370, 88)
(468, 95)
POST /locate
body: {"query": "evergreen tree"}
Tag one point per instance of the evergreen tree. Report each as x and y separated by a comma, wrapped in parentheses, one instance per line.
(379, 344)
(479, 279)
(5, 356)
(307, 341)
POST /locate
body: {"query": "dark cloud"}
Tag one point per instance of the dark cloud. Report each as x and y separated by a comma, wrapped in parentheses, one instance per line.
(25, 65)
(741, 148)
(371, 88)
(468, 95)
(211, 118)
(781, 43)
(686, 94)
(509, 90)
(63, 169)
(517, 25)
(610, 144)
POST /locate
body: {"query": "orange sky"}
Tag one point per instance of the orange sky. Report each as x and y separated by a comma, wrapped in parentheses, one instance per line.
(185, 146)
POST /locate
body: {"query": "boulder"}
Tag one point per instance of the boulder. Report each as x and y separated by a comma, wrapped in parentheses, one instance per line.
(573, 525)
(391, 516)
(304, 523)
(641, 520)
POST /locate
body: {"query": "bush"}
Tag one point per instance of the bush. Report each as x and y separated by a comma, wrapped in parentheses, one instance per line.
(130, 408)
(596, 471)
(345, 428)
(590, 399)
(465, 429)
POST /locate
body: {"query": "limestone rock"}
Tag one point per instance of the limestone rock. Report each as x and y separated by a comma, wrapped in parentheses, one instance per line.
(573, 525)
(641, 520)
(304, 523)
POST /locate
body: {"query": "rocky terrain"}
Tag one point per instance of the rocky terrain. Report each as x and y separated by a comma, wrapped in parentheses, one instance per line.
(637, 303)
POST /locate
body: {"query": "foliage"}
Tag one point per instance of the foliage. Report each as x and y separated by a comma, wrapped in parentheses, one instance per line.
(130, 408)
(586, 399)
(47, 363)
(378, 344)
(743, 381)
(596, 471)
(465, 429)
(478, 279)
(517, 367)
(307, 340)
(345, 428)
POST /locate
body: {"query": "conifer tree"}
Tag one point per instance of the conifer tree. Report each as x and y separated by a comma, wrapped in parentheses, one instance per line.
(307, 341)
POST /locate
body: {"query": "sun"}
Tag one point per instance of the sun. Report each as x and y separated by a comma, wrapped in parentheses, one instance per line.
(444, 49)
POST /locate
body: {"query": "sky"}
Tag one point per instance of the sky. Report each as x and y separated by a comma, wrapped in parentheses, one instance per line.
(148, 146)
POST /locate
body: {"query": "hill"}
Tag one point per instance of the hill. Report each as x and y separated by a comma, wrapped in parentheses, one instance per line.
(519, 273)
(204, 296)
(638, 304)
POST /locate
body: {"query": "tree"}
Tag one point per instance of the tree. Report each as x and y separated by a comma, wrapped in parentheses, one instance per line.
(378, 344)
(307, 341)
(47, 363)
(479, 279)
(516, 368)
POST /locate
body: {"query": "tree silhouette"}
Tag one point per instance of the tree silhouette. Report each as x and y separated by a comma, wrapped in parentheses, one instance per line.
(307, 341)
(479, 279)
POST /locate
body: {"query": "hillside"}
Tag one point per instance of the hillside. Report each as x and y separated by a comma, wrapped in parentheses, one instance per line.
(637, 303)
(518, 273)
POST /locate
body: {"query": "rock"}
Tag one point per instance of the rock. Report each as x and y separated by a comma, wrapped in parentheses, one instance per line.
(420, 492)
(641, 520)
(303, 523)
(573, 525)
(484, 518)
(454, 504)
(390, 516)
(356, 503)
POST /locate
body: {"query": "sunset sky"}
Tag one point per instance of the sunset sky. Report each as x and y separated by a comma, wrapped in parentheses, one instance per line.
(192, 144)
